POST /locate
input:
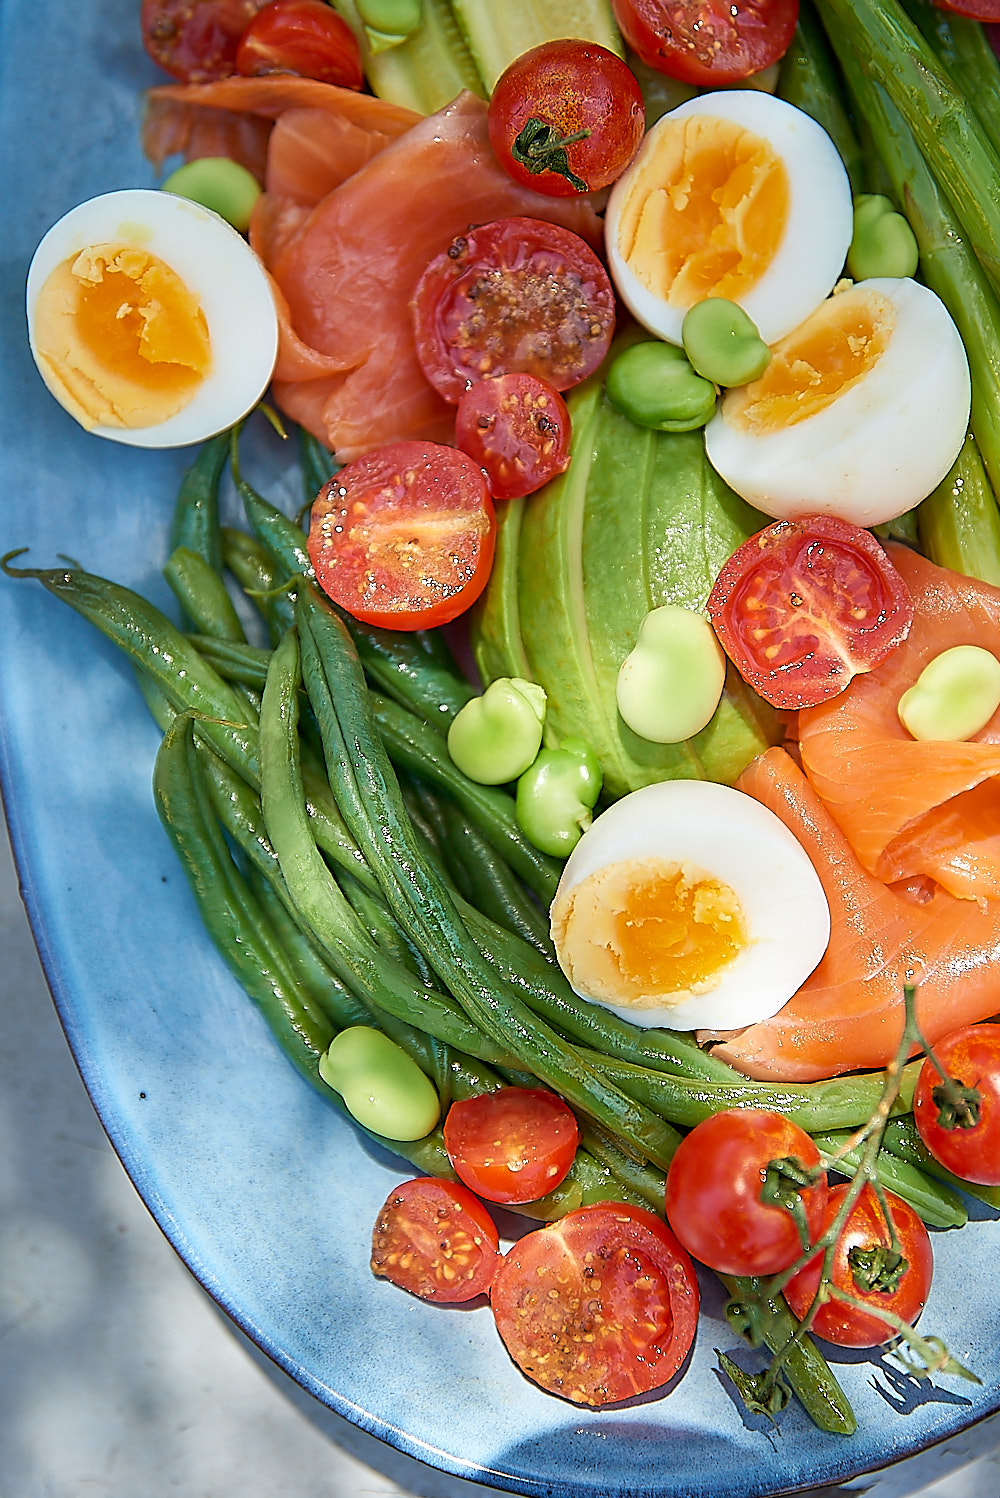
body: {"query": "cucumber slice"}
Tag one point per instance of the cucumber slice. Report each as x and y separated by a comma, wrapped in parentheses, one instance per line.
(497, 33)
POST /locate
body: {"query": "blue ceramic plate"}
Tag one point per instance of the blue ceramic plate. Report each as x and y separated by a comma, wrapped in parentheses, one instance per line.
(264, 1191)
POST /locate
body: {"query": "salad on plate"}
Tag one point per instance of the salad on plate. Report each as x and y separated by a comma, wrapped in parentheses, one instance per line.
(589, 773)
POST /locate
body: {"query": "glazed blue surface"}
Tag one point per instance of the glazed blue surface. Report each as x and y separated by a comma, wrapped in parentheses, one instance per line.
(262, 1188)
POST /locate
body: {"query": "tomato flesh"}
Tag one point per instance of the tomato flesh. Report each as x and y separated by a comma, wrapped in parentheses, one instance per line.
(517, 428)
(404, 536)
(599, 1306)
(436, 1240)
(973, 1056)
(196, 40)
(713, 1192)
(305, 37)
(866, 1229)
(558, 91)
(511, 1146)
(708, 42)
(515, 294)
(805, 605)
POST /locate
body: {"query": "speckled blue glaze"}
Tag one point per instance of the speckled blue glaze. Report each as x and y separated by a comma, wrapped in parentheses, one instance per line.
(263, 1190)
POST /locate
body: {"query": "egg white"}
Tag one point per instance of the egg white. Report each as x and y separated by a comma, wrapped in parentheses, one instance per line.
(878, 449)
(216, 264)
(811, 254)
(727, 834)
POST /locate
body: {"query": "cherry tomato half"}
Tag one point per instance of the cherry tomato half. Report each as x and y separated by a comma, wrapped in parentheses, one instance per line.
(403, 537)
(305, 37)
(435, 1239)
(599, 1306)
(708, 42)
(976, 10)
(551, 96)
(511, 1146)
(971, 1149)
(515, 294)
(860, 1253)
(805, 605)
(517, 428)
(196, 40)
(714, 1187)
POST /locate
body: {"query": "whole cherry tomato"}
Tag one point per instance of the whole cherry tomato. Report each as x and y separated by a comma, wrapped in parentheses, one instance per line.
(511, 1146)
(866, 1266)
(726, 1185)
(959, 1119)
(566, 117)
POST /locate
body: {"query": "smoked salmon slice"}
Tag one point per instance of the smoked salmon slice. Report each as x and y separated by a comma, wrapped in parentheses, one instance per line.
(360, 196)
(911, 809)
(848, 1015)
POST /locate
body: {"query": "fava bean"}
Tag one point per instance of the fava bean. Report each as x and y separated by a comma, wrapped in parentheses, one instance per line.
(670, 684)
(556, 796)
(218, 183)
(954, 696)
(654, 385)
(722, 342)
(393, 19)
(883, 242)
(382, 1087)
(495, 737)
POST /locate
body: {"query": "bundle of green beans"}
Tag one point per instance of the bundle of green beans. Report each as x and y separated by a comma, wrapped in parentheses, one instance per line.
(349, 874)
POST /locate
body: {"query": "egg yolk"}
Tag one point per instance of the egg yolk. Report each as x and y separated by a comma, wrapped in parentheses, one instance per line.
(647, 932)
(833, 350)
(704, 212)
(120, 338)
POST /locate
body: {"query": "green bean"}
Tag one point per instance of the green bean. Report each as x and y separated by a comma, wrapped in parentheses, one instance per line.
(202, 595)
(234, 920)
(254, 570)
(902, 1140)
(195, 521)
(368, 795)
(412, 745)
(236, 662)
(818, 1107)
(371, 911)
(936, 1203)
(960, 521)
(372, 975)
(809, 1375)
(645, 1182)
(317, 463)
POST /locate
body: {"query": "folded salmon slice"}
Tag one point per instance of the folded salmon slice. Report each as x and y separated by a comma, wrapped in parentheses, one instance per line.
(912, 809)
(360, 196)
(848, 1015)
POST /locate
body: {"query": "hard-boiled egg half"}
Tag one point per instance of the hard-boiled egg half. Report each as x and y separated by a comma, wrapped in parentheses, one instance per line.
(860, 413)
(690, 905)
(734, 194)
(150, 319)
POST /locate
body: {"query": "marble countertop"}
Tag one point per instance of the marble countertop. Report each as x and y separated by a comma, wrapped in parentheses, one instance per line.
(119, 1376)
